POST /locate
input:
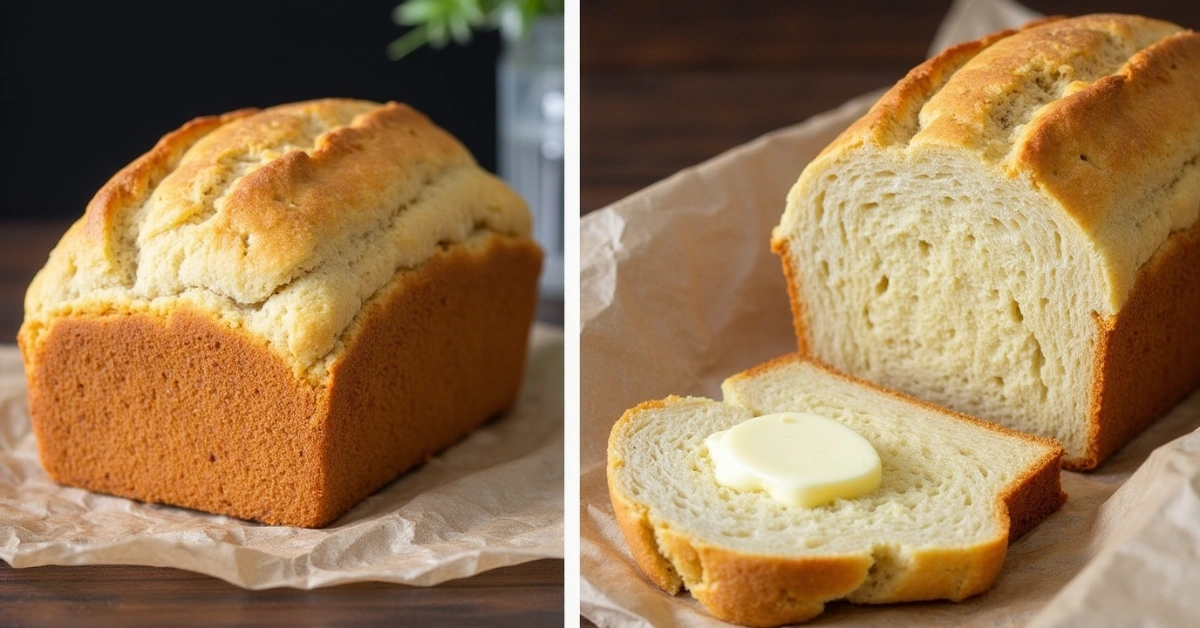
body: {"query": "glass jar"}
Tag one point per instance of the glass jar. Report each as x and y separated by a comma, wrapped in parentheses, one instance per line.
(530, 124)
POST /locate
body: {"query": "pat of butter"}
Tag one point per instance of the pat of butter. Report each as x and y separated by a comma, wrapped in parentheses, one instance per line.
(799, 459)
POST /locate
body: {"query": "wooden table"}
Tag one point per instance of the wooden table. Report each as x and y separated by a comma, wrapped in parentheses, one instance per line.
(666, 85)
(530, 594)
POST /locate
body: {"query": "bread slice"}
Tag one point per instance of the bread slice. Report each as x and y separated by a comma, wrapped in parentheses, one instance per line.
(955, 491)
(1012, 232)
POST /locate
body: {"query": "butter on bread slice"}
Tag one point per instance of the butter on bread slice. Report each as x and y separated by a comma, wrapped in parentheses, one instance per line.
(954, 492)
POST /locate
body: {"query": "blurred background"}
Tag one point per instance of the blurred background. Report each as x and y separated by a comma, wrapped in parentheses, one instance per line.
(665, 85)
(89, 86)
(86, 87)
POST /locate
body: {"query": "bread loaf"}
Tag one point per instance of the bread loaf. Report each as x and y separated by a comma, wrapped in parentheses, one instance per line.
(954, 492)
(274, 313)
(1012, 230)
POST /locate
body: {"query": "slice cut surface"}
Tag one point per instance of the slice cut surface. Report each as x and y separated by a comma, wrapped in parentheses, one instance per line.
(954, 491)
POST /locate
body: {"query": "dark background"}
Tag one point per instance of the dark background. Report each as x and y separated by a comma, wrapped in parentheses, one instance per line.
(86, 87)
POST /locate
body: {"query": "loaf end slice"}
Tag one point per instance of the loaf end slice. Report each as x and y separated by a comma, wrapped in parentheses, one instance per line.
(955, 491)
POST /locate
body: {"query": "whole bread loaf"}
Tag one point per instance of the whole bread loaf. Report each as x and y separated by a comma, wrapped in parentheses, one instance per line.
(1012, 232)
(955, 490)
(272, 314)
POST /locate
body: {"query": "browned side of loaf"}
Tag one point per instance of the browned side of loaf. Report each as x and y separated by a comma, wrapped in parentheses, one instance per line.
(795, 296)
(1148, 356)
(182, 410)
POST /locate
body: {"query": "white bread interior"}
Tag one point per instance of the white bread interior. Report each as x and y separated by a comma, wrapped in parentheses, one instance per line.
(953, 491)
(970, 239)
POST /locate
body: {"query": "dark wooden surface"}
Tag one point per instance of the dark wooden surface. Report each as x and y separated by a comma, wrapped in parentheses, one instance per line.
(666, 85)
(111, 595)
(530, 594)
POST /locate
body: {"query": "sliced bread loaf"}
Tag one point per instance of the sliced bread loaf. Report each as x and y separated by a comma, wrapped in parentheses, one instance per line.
(954, 491)
(1012, 232)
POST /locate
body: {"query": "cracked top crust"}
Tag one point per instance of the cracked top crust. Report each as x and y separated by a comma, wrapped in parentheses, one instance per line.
(1099, 113)
(280, 222)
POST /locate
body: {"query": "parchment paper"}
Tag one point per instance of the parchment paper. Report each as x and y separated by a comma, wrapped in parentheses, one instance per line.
(492, 500)
(679, 291)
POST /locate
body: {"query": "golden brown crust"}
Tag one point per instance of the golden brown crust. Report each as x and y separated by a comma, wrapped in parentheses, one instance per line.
(294, 202)
(318, 170)
(635, 526)
(135, 180)
(184, 410)
(769, 590)
(1093, 137)
(764, 590)
(1148, 355)
(893, 118)
(947, 574)
(1115, 125)
(632, 517)
(280, 222)
(1035, 495)
(982, 106)
(139, 407)
(442, 351)
(792, 278)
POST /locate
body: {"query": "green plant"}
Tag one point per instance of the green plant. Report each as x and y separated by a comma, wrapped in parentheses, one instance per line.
(436, 22)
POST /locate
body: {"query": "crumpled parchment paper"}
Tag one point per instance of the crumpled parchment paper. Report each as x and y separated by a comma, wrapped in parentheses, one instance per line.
(679, 291)
(492, 500)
